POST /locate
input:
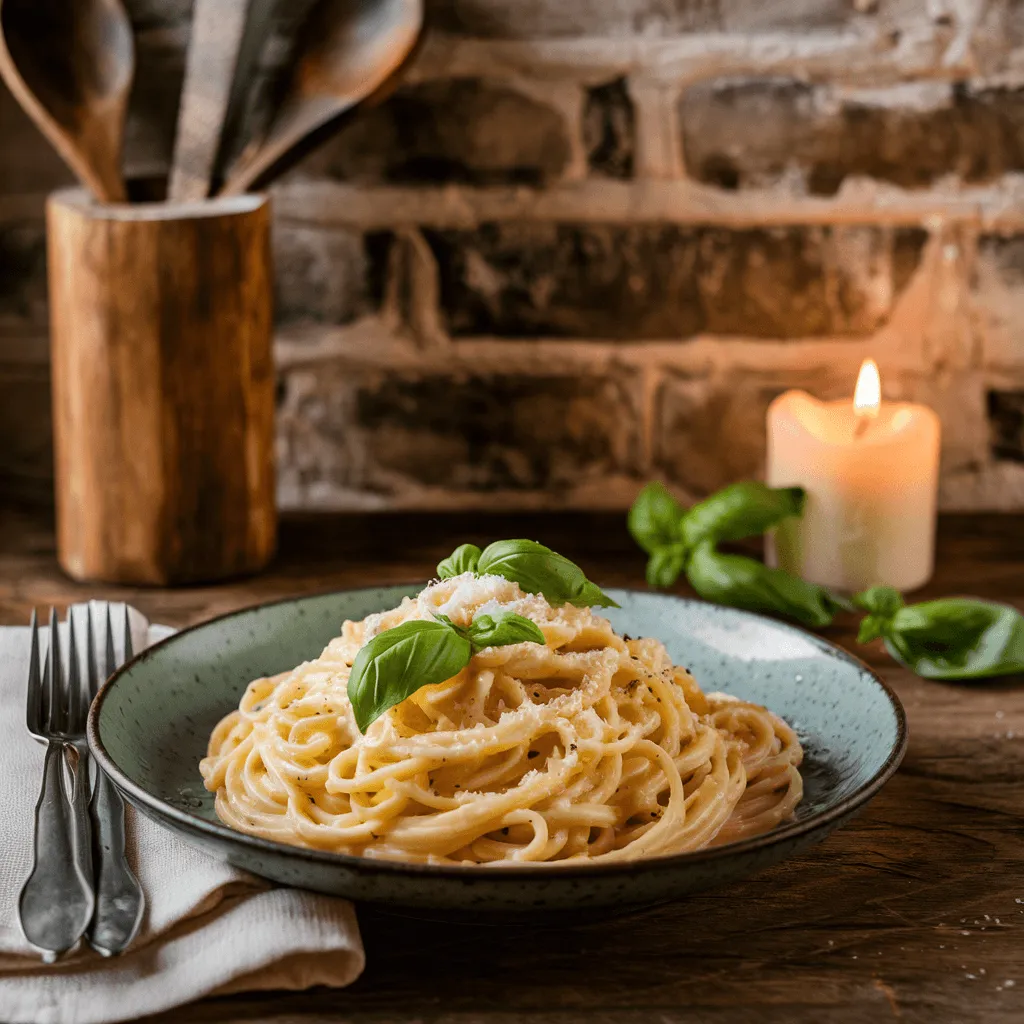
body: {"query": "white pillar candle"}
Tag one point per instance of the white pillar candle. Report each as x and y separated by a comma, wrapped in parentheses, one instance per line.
(870, 470)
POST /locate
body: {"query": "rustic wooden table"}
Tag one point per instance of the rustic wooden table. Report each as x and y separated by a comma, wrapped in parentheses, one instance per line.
(913, 912)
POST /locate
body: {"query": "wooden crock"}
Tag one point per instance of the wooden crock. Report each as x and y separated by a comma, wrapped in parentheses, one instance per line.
(163, 388)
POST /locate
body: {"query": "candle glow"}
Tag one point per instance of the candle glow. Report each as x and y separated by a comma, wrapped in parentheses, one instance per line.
(870, 471)
(867, 395)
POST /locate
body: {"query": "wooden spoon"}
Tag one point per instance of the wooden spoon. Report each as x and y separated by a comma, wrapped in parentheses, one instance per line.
(347, 51)
(70, 64)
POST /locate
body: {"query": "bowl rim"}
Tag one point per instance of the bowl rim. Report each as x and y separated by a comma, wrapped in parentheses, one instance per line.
(565, 870)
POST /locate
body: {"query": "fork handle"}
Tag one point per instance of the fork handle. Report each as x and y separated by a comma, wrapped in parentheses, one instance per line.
(56, 901)
(119, 899)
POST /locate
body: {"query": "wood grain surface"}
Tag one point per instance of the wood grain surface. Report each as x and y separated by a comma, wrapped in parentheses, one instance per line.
(913, 912)
(163, 388)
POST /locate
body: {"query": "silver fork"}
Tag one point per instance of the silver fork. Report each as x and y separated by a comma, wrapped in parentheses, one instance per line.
(119, 898)
(57, 902)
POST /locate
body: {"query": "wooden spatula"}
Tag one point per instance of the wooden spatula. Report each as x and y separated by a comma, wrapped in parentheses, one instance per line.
(225, 40)
(70, 64)
(347, 51)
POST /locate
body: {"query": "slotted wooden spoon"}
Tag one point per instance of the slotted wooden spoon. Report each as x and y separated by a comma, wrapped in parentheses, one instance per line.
(70, 64)
(347, 51)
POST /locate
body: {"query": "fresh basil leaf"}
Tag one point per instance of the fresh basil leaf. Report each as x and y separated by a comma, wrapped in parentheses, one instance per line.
(957, 638)
(396, 663)
(654, 518)
(872, 627)
(744, 583)
(665, 565)
(590, 595)
(464, 558)
(539, 570)
(744, 509)
(884, 602)
(488, 631)
(881, 603)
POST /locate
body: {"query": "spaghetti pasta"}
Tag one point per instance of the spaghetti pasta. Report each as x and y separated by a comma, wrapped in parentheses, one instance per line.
(588, 747)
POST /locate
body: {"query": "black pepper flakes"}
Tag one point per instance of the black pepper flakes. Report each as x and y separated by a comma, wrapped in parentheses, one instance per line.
(532, 754)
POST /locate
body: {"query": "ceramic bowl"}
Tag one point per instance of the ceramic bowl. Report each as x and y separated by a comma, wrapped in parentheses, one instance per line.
(149, 727)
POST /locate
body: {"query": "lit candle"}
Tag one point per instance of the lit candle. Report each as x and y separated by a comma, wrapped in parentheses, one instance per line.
(870, 469)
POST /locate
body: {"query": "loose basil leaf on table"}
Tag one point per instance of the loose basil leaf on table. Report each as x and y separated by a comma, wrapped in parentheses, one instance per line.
(951, 638)
(539, 570)
(465, 558)
(745, 509)
(394, 664)
(880, 600)
(488, 631)
(665, 564)
(881, 603)
(654, 518)
(746, 583)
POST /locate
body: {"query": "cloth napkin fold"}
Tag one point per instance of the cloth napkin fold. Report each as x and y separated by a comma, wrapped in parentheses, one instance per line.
(209, 929)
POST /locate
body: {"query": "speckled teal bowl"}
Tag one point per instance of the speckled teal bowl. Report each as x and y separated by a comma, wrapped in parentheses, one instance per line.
(148, 730)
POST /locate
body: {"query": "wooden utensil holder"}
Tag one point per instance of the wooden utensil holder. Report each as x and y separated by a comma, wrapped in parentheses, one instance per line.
(163, 388)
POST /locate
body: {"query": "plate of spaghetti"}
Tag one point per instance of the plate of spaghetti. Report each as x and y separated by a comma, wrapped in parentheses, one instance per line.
(495, 741)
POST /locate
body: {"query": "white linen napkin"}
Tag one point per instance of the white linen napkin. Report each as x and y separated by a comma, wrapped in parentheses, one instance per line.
(208, 928)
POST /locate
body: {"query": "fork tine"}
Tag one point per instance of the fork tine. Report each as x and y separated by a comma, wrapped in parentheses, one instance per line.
(91, 670)
(128, 651)
(34, 699)
(45, 693)
(109, 658)
(55, 671)
(74, 680)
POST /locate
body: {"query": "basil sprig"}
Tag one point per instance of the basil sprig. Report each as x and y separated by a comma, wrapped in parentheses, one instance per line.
(951, 638)
(683, 541)
(536, 568)
(395, 664)
(746, 509)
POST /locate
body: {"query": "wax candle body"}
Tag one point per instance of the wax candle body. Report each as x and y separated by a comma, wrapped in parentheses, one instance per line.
(871, 491)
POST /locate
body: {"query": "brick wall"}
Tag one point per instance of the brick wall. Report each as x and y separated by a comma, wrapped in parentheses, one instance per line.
(588, 241)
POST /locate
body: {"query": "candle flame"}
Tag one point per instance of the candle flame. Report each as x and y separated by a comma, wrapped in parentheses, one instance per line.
(867, 396)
